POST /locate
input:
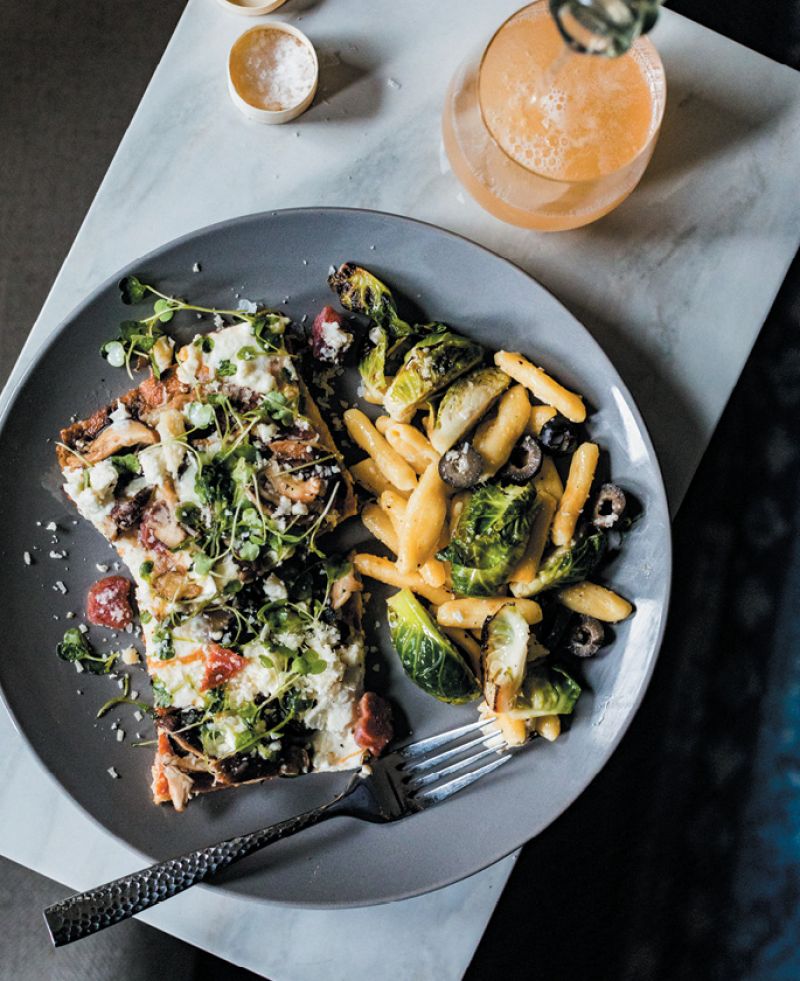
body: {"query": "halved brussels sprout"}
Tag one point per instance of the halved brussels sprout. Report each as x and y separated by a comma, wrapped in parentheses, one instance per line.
(490, 537)
(428, 657)
(463, 404)
(361, 292)
(504, 655)
(567, 564)
(430, 365)
(546, 690)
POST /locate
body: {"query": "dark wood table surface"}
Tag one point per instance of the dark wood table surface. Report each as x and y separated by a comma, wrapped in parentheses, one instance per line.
(682, 860)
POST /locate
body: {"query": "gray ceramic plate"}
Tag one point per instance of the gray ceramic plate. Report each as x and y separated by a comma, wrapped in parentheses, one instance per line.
(283, 259)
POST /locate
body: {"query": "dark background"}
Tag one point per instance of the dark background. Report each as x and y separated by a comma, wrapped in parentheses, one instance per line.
(682, 860)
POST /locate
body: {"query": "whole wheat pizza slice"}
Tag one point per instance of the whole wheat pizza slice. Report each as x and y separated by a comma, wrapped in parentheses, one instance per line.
(214, 482)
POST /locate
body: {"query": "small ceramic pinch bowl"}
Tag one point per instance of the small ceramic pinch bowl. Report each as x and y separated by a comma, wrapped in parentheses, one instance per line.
(251, 8)
(273, 73)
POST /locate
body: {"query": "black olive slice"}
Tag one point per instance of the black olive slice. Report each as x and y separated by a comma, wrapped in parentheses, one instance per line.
(524, 462)
(609, 506)
(586, 637)
(462, 466)
(558, 436)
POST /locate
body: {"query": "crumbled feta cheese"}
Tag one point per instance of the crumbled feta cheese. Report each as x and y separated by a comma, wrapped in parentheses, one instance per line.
(69, 615)
(112, 773)
(120, 414)
(78, 667)
(120, 735)
(60, 587)
(196, 268)
(274, 589)
(299, 508)
(219, 323)
(83, 628)
(121, 683)
(138, 715)
(134, 694)
(101, 567)
(26, 558)
(51, 526)
(130, 655)
(57, 555)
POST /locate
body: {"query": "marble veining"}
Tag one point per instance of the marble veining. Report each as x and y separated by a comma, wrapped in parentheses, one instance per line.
(675, 285)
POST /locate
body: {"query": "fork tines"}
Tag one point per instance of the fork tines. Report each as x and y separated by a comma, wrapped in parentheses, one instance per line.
(421, 770)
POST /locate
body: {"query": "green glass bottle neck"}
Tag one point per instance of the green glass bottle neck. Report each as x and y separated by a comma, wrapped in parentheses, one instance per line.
(605, 27)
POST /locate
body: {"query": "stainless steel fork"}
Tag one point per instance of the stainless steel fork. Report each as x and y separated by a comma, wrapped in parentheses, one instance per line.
(404, 782)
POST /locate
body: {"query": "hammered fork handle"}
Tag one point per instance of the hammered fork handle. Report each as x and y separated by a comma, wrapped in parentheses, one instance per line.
(87, 912)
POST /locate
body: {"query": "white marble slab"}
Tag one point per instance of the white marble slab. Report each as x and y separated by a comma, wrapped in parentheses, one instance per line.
(675, 285)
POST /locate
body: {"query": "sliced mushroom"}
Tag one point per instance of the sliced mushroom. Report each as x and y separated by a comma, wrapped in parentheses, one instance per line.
(298, 489)
(175, 586)
(118, 437)
(179, 784)
(159, 523)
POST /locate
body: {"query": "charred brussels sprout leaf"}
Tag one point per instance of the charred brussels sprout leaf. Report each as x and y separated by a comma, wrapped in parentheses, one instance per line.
(76, 648)
(428, 657)
(430, 366)
(567, 564)
(464, 403)
(546, 690)
(504, 654)
(372, 366)
(361, 292)
(490, 537)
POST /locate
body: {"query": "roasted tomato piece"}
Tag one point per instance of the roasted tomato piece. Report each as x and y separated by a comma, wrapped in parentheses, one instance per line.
(108, 603)
(329, 339)
(221, 665)
(374, 727)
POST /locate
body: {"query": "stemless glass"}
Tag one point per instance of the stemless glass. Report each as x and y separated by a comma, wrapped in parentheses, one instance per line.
(566, 174)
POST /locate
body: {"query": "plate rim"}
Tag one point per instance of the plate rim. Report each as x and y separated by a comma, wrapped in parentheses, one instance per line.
(10, 394)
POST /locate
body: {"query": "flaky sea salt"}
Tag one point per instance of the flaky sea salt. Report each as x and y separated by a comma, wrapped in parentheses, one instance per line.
(275, 71)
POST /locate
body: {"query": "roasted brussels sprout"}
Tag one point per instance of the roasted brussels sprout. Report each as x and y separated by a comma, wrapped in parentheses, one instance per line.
(361, 292)
(428, 657)
(567, 564)
(504, 651)
(429, 366)
(464, 403)
(490, 537)
(462, 466)
(525, 461)
(546, 690)
(558, 436)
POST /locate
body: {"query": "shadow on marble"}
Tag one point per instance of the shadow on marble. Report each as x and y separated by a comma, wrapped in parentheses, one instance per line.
(343, 65)
(699, 126)
(302, 6)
